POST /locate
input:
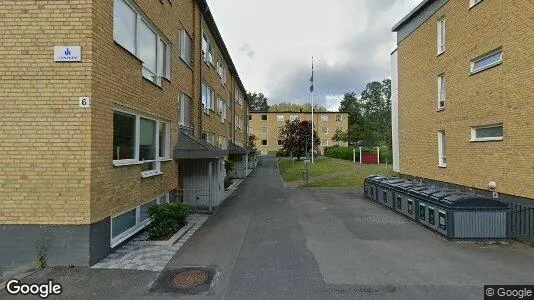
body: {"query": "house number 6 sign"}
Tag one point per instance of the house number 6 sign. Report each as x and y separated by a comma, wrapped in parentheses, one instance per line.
(85, 102)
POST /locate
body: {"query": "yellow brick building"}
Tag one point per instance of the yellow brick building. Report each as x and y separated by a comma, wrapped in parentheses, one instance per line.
(462, 99)
(266, 127)
(105, 107)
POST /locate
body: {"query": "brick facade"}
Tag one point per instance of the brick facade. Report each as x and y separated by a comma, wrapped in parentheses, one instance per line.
(273, 124)
(501, 94)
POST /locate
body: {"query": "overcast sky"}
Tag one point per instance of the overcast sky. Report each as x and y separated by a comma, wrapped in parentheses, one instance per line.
(272, 42)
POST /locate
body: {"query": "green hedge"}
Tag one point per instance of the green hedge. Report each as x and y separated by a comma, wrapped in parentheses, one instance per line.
(345, 153)
(166, 219)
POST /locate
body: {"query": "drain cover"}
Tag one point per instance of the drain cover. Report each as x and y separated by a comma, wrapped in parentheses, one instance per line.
(190, 278)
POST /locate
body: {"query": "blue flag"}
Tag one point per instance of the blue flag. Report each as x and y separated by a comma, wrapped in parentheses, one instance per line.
(311, 80)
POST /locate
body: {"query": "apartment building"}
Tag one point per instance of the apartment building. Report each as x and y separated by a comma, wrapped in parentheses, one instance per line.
(462, 103)
(108, 106)
(266, 126)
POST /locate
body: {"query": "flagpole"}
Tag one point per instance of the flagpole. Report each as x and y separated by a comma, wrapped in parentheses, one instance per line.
(312, 145)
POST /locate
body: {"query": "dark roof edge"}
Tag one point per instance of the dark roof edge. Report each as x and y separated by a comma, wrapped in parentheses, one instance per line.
(411, 14)
(210, 21)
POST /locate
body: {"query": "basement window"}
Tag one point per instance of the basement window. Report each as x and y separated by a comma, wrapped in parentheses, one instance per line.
(487, 133)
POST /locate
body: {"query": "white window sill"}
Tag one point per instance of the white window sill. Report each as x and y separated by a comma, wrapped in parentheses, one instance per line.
(164, 159)
(148, 174)
(121, 163)
(495, 139)
(440, 52)
(442, 165)
(440, 109)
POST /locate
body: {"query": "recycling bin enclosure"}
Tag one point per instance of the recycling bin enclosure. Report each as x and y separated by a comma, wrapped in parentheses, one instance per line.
(453, 214)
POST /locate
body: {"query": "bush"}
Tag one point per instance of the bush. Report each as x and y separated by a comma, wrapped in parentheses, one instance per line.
(228, 165)
(282, 153)
(227, 182)
(345, 153)
(166, 219)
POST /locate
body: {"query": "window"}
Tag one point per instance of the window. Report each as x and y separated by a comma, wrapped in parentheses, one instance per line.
(487, 133)
(264, 142)
(207, 49)
(124, 136)
(280, 118)
(324, 130)
(133, 32)
(184, 110)
(441, 36)
(399, 202)
(324, 143)
(441, 92)
(264, 130)
(129, 223)
(140, 140)
(487, 61)
(324, 118)
(339, 118)
(384, 196)
(264, 117)
(442, 220)
(422, 211)
(279, 130)
(474, 2)
(442, 150)
(221, 71)
(293, 118)
(208, 98)
(279, 142)
(249, 117)
(209, 138)
(185, 47)
(431, 216)
(410, 207)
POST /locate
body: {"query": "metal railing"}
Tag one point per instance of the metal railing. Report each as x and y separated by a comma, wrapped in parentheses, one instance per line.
(198, 200)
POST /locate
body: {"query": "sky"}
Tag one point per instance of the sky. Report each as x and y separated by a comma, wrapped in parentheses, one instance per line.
(272, 43)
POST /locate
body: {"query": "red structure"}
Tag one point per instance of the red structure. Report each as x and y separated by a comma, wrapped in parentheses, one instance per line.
(369, 158)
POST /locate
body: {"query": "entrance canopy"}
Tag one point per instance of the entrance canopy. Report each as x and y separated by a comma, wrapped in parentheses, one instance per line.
(190, 147)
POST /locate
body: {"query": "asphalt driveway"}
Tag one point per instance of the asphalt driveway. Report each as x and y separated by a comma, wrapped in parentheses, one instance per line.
(267, 242)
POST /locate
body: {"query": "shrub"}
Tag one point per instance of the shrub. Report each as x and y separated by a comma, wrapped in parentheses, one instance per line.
(227, 182)
(345, 153)
(228, 165)
(282, 153)
(166, 219)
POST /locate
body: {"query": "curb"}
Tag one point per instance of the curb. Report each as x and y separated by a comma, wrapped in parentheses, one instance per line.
(175, 238)
(18, 277)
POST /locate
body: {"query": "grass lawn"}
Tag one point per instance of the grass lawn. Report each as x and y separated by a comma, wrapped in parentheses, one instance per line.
(352, 176)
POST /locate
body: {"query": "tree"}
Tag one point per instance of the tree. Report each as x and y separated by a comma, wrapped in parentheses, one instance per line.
(288, 106)
(340, 136)
(258, 102)
(296, 138)
(252, 141)
(369, 115)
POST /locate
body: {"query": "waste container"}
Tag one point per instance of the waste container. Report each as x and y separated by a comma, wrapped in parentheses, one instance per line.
(403, 203)
(387, 194)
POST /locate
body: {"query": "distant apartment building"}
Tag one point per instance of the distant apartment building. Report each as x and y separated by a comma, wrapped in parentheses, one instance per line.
(106, 107)
(462, 100)
(266, 126)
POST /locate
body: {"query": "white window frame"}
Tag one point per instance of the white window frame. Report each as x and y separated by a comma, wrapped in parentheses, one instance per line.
(472, 69)
(323, 131)
(441, 35)
(340, 119)
(181, 120)
(324, 143)
(486, 139)
(293, 117)
(264, 130)
(324, 118)
(442, 154)
(183, 37)
(139, 225)
(442, 92)
(160, 73)
(280, 118)
(474, 2)
(266, 143)
(136, 161)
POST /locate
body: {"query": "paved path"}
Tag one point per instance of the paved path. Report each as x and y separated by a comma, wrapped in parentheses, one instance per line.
(267, 242)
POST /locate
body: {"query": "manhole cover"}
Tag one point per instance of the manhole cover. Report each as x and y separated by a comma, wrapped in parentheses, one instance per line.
(190, 278)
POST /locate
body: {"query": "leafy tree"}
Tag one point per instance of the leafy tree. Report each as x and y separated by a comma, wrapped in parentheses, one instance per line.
(258, 102)
(288, 106)
(252, 141)
(369, 115)
(340, 136)
(295, 137)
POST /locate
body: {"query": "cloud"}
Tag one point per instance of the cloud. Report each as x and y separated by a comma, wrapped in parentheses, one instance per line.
(272, 42)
